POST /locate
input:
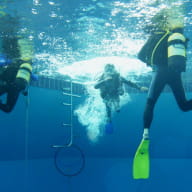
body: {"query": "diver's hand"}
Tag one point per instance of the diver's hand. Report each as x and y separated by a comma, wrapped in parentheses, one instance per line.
(144, 89)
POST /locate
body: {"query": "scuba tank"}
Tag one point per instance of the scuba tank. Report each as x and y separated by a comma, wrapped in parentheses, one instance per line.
(23, 76)
(25, 69)
(177, 52)
(24, 72)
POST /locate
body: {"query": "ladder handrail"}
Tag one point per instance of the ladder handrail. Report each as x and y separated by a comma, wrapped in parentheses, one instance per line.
(70, 104)
(71, 114)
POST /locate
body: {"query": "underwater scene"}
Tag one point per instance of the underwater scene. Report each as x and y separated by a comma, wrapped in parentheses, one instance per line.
(95, 95)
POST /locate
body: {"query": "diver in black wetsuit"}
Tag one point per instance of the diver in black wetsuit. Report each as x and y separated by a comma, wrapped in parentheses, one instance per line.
(111, 88)
(15, 63)
(165, 52)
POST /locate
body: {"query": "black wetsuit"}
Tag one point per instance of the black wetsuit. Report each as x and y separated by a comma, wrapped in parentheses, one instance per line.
(9, 84)
(111, 89)
(11, 47)
(162, 76)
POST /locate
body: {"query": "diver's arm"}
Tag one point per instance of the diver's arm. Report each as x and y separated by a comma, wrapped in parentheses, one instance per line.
(134, 85)
(12, 97)
(131, 84)
(144, 53)
(101, 82)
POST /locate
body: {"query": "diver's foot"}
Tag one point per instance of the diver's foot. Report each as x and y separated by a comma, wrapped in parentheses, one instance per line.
(145, 137)
(146, 134)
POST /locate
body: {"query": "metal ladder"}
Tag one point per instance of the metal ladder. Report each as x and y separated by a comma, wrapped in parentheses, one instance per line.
(68, 91)
(60, 149)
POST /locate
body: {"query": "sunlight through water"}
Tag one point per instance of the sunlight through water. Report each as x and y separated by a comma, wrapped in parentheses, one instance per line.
(81, 37)
(75, 39)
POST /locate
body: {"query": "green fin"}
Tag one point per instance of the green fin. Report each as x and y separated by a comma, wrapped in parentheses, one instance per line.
(141, 162)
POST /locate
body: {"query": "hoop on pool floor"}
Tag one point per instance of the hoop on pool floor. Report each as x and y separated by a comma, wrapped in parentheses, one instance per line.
(69, 160)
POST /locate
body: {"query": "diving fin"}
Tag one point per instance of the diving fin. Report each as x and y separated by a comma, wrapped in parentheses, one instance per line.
(141, 162)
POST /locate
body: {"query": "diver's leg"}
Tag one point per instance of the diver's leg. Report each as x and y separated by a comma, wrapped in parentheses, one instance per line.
(12, 96)
(157, 84)
(179, 93)
(108, 110)
(108, 125)
(116, 104)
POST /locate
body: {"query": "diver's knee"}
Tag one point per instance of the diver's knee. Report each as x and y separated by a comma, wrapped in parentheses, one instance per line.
(7, 109)
(184, 107)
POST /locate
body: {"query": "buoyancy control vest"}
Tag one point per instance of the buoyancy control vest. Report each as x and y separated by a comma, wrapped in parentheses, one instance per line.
(154, 51)
(167, 49)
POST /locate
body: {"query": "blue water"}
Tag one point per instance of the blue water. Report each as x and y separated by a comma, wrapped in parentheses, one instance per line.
(59, 29)
(108, 164)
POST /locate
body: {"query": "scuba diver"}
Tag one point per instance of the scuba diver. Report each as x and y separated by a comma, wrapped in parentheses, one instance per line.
(165, 52)
(15, 63)
(110, 84)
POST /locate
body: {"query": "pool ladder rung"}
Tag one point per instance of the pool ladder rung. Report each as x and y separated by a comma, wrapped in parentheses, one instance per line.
(72, 95)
